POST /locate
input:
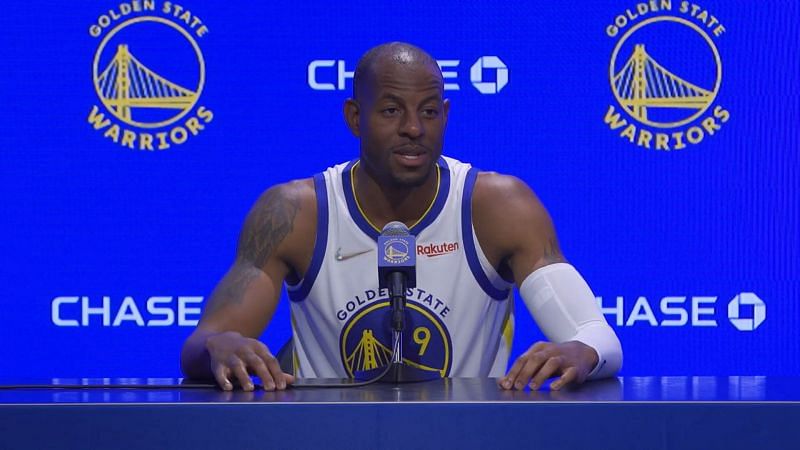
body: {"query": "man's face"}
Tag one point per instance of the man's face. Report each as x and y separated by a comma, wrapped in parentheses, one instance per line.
(401, 123)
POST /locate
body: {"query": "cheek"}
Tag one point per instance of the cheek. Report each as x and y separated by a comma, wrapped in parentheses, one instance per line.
(380, 136)
(435, 131)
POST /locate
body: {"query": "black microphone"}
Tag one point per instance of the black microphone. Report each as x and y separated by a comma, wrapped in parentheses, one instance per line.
(397, 259)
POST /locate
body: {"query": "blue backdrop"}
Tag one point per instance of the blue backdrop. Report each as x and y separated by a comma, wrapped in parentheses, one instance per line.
(662, 136)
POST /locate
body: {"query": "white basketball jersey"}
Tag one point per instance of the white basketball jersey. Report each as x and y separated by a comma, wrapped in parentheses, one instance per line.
(459, 317)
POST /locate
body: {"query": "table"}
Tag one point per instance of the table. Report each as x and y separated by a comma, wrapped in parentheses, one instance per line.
(626, 412)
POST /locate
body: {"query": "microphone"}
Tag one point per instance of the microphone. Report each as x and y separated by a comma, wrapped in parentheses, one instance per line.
(397, 259)
(397, 272)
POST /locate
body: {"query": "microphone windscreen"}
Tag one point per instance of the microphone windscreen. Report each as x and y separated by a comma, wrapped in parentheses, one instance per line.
(397, 252)
(395, 229)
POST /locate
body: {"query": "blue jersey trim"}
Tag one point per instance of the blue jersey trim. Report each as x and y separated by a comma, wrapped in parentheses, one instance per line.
(436, 209)
(321, 242)
(469, 244)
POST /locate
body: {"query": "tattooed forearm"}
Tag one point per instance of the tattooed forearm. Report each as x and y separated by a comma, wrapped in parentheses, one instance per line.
(233, 286)
(270, 221)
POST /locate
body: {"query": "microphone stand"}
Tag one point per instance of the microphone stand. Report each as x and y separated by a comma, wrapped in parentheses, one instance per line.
(398, 301)
(399, 372)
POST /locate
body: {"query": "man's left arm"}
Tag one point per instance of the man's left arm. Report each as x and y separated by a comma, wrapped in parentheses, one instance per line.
(518, 237)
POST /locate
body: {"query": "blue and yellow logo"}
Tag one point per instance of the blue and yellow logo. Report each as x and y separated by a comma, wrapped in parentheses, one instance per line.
(395, 251)
(665, 75)
(366, 340)
(149, 73)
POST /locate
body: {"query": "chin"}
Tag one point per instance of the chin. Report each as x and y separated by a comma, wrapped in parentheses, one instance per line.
(412, 179)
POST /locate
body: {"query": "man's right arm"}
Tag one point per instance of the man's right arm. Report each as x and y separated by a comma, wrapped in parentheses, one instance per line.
(225, 344)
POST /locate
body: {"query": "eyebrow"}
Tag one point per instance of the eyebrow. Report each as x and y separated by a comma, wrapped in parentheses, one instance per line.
(389, 96)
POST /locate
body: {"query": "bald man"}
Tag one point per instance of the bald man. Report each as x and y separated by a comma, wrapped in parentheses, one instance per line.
(479, 235)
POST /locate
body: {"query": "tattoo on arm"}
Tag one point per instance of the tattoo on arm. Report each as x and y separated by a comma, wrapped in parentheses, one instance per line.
(270, 221)
(233, 286)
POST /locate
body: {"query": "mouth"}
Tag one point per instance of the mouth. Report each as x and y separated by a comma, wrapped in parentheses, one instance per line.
(411, 156)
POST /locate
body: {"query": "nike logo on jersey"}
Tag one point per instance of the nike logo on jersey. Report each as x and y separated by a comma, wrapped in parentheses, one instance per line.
(342, 256)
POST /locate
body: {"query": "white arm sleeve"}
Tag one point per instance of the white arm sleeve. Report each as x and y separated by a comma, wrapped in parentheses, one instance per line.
(564, 308)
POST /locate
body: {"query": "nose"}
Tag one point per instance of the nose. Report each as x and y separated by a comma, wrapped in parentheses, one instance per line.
(411, 126)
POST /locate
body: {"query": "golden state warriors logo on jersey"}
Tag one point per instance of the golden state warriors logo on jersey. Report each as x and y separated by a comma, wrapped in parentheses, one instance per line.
(148, 73)
(366, 339)
(665, 75)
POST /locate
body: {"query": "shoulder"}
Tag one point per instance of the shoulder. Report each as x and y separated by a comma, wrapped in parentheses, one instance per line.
(497, 196)
(292, 192)
(280, 221)
(512, 225)
(283, 203)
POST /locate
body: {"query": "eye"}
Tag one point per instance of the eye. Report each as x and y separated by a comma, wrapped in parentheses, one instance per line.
(390, 111)
(430, 113)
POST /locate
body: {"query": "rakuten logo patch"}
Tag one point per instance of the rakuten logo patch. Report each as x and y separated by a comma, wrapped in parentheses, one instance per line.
(432, 250)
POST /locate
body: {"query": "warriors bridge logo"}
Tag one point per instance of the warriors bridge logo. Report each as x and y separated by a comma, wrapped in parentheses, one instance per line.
(395, 251)
(665, 74)
(148, 73)
(366, 339)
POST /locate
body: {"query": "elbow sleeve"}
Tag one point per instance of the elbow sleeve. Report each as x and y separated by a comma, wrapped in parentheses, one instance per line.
(564, 308)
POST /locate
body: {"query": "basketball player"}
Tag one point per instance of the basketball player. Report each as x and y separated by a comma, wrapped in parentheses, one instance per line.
(480, 234)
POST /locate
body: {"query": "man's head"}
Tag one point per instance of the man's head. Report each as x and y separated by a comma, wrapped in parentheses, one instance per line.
(399, 113)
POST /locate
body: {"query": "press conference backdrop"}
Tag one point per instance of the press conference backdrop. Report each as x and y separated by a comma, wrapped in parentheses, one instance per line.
(662, 137)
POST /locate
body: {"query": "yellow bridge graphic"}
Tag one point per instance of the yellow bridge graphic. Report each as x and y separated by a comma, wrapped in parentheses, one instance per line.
(395, 253)
(643, 83)
(370, 354)
(127, 83)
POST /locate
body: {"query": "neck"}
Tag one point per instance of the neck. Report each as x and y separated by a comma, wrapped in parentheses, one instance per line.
(381, 203)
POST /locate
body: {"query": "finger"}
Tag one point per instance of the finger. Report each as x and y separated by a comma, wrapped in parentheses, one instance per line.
(273, 367)
(550, 368)
(257, 366)
(239, 371)
(507, 382)
(510, 380)
(570, 376)
(530, 369)
(221, 376)
(581, 376)
(288, 378)
(540, 345)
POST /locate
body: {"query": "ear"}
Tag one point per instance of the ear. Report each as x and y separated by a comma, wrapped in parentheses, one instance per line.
(352, 115)
(445, 111)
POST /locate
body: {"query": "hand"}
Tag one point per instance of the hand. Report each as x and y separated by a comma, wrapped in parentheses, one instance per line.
(572, 360)
(233, 355)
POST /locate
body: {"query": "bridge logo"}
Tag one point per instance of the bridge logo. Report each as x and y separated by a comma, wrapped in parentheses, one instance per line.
(665, 74)
(149, 73)
(366, 340)
(127, 84)
(395, 251)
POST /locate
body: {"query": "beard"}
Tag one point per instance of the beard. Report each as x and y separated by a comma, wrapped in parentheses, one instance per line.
(411, 179)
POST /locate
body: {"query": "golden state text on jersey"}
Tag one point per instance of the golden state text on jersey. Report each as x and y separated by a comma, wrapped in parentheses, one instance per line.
(366, 339)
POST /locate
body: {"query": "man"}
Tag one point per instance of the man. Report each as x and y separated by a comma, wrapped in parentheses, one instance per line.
(479, 232)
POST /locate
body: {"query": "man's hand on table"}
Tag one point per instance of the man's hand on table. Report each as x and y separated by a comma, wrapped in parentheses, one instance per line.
(572, 361)
(235, 357)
